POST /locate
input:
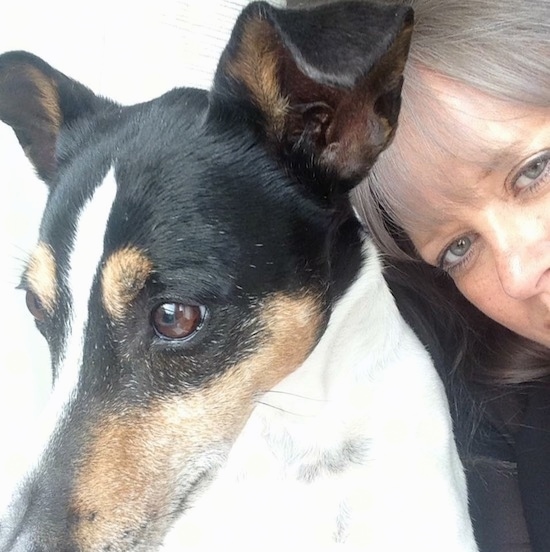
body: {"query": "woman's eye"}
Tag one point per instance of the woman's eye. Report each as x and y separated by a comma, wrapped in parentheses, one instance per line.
(35, 306)
(176, 320)
(455, 253)
(533, 172)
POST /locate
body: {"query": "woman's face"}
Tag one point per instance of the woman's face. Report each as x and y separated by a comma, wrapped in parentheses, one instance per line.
(483, 200)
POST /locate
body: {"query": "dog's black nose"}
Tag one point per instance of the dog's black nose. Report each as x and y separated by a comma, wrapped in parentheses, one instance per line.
(18, 542)
(30, 524)
(13, 537)
(20, 538)
(11, 522)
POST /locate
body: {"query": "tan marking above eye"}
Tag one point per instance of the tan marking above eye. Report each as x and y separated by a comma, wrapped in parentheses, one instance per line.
(41, 276)
(123, 277)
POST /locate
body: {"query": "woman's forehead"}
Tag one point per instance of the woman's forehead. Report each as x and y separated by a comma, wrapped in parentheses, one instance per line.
(461, 122)
(449, 140)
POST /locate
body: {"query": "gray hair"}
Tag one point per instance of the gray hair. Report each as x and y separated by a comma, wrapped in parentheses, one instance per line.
(500, 47)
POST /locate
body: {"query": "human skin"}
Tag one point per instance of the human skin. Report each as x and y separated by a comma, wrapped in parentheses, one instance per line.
(480, 193)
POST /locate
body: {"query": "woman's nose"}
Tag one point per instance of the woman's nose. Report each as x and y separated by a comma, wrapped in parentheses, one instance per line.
(522, 251)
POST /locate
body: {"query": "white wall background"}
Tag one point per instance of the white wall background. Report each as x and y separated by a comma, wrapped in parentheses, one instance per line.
(130, 51)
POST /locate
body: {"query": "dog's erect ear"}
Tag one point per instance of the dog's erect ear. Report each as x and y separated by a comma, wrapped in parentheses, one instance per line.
(37, 101)
(325, 81)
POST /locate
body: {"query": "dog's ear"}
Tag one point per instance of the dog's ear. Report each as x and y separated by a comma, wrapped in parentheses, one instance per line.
(324, 82)
(37, 101)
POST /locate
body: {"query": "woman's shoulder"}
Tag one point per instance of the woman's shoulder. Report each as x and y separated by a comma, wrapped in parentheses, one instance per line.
(508, 470)
(491, 467)
(533, 464)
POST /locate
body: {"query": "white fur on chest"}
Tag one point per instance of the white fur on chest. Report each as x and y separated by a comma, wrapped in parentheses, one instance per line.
(355, 446)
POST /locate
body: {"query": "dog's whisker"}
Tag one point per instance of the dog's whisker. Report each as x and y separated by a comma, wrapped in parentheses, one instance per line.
(279, 392)
(280, 409)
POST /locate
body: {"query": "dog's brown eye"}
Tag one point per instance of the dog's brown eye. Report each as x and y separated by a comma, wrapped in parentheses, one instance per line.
(35, 306)
(176, 320)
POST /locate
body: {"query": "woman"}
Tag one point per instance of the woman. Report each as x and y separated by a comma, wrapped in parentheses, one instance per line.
(465, 190)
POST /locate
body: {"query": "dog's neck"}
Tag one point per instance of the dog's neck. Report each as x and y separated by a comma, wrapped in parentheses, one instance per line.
(315, 404)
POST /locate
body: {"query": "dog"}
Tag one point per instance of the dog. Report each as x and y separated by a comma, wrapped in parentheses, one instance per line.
(229, 364)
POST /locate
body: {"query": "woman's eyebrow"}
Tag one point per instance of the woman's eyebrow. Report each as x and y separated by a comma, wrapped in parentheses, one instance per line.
(426, 232)
(501, 157)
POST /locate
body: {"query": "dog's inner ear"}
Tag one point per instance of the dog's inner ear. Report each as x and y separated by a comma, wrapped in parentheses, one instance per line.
(341, 118)
(36, 101)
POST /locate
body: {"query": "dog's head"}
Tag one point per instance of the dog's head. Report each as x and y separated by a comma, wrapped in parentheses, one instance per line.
(187, 259)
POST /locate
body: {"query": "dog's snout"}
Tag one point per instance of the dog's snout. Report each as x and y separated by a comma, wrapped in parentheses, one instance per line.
(32, 525)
